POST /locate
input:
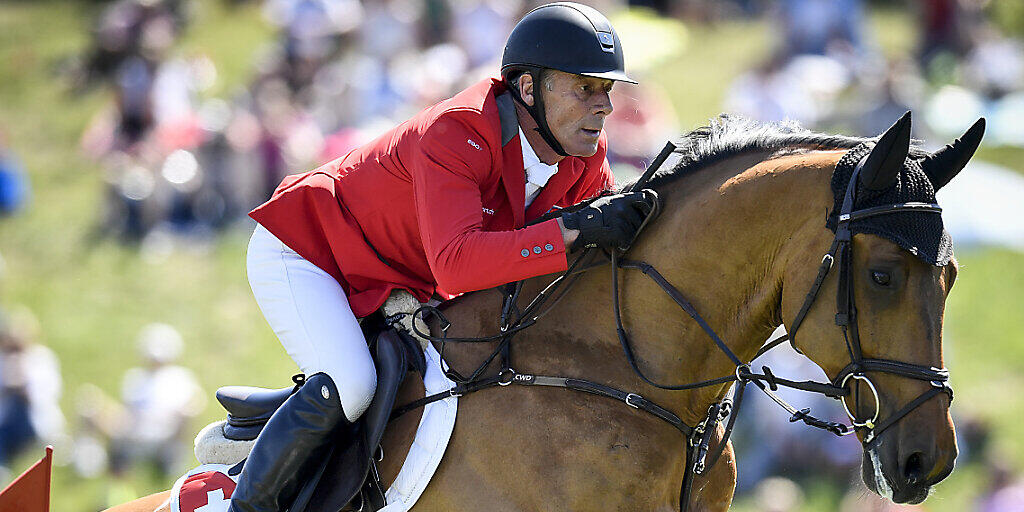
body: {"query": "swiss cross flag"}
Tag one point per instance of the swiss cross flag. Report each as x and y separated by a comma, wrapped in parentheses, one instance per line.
(208, 491)
(30, 492)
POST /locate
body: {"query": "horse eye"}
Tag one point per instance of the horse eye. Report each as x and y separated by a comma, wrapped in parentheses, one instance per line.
(881, 278)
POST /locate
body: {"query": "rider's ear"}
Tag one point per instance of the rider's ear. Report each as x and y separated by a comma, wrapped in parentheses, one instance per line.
(885, 161)
(525, 83)
(947, 162)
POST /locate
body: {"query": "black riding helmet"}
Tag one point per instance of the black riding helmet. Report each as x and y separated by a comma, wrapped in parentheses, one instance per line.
(566, 36)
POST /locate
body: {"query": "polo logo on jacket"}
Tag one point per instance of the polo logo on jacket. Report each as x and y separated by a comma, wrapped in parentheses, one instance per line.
(472, 143)
(488, 211)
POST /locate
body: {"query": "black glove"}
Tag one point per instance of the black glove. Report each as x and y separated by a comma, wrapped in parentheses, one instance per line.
(609, 222)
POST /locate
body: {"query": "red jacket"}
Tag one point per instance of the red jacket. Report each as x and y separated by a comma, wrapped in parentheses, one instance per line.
(436, 204)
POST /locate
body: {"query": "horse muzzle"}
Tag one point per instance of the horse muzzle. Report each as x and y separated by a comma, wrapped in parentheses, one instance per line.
(902, 473)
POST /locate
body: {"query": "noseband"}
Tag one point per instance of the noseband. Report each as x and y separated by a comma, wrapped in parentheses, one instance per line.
(699, 437)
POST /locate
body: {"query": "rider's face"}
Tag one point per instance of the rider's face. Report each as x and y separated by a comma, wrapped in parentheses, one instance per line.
(575, 107)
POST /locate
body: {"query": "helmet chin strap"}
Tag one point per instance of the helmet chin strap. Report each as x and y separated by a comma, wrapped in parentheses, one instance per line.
(536, 111)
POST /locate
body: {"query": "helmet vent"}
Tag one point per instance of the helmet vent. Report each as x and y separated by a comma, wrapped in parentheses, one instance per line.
(607, 42)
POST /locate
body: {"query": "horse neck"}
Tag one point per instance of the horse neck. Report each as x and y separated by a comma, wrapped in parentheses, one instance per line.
(724, 241)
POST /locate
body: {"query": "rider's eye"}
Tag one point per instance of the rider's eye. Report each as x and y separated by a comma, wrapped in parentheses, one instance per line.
(881, 278)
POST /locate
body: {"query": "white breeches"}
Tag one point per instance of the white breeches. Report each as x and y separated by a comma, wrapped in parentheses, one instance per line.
(310, 314)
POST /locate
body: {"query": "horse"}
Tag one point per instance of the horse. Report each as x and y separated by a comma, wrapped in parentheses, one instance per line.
(747, 213)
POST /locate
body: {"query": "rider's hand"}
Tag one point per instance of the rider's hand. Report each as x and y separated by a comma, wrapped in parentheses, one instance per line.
(609, 222)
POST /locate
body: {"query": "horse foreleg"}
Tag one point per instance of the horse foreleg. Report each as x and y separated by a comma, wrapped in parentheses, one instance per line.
(159, 502)
(713, 491)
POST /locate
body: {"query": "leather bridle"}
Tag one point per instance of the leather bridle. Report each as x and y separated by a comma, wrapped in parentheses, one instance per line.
(699, 437)
(846, 319)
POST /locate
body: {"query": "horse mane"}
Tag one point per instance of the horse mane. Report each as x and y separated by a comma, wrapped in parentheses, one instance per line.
(730, 135)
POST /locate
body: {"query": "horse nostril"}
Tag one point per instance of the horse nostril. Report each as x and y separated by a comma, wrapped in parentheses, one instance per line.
(913, 470)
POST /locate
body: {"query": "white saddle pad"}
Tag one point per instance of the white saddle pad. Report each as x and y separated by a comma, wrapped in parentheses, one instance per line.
(432, 436)
(208, 487)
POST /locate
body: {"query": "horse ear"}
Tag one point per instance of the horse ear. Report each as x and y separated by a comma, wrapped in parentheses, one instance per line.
(885, 161)
(947, 162)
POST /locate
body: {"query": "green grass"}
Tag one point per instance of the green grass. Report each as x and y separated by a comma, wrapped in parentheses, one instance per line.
(92, 300)
(696, 81)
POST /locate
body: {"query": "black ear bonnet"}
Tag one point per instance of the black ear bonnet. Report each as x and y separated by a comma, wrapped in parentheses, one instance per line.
(919, 233)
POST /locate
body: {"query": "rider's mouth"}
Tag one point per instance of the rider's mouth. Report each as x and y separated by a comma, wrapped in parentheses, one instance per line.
(591, 133)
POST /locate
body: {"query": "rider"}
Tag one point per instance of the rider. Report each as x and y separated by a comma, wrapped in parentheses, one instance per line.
(437, 204)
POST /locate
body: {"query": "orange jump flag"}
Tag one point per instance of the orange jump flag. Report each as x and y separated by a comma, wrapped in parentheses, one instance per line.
(30, 492)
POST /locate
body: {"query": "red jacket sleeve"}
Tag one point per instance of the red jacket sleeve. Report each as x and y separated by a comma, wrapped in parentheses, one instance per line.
(447, 174)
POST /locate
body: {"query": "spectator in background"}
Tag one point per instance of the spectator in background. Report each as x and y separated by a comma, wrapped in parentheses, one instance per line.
(14, 188)
(995, 65)
(887, 99)
(30, 385)
(942, 30)
(160, 398)
(310, 31)
(778, 494)
(662, 7)
(814, 26)
(479, 27)
(644, 119)
(127, 28)
(1005, 492)
(769, 93)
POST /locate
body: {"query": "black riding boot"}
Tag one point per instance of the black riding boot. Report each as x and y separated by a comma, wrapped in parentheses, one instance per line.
(278, 463)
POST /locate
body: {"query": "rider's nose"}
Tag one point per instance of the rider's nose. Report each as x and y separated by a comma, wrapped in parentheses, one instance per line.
(604, 105)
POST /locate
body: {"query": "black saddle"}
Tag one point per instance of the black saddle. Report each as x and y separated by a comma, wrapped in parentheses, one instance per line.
(249, 408)
(349, 470)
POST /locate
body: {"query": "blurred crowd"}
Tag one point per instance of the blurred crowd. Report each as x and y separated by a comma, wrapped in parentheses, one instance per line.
(144, 429)
(180, 161)
(14, 186)
(30, 387)
(184, 159)
(147, 426)
(828, 73)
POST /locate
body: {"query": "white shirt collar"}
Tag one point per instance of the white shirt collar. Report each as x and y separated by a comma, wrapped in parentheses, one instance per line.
(537, 173)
